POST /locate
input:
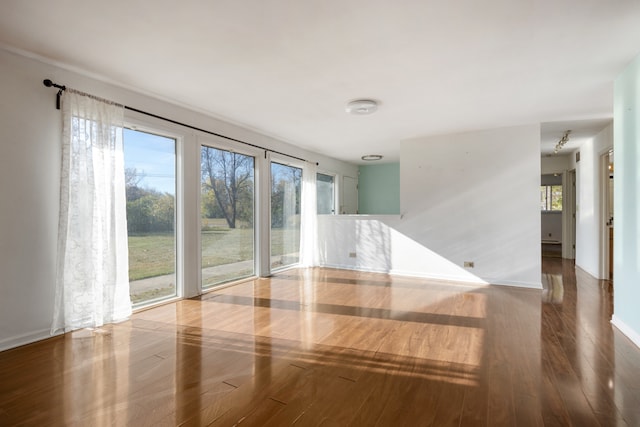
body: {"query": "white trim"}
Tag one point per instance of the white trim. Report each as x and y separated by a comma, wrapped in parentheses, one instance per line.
(516, 284)
(444, 277)
(569, 214)
(605, 194)
(24, 339)
(626, 330)
(457, 279)
(590, 273)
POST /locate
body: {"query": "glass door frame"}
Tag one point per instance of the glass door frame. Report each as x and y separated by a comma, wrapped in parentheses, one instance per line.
(211, 141)
(141, 123)
(286, 161)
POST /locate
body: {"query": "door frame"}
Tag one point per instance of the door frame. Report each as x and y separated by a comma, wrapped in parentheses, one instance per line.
(569, 214)
(606, 192)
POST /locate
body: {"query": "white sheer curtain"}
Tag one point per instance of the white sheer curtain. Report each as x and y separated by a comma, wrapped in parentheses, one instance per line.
(309, 217)
(92, 283)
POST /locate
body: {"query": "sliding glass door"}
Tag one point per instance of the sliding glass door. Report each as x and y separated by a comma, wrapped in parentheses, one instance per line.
(150, 182)
(227, 216)
(286, 182)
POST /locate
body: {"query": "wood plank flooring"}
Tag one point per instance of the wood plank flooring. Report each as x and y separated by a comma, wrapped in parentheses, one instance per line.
(325, 347)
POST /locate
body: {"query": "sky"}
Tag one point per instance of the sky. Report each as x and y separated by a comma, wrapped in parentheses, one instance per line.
(153, 157)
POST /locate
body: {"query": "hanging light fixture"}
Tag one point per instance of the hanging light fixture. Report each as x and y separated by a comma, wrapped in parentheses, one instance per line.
(562, 142)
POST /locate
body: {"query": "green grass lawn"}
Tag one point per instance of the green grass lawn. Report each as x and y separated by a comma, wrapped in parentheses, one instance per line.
(153, 255)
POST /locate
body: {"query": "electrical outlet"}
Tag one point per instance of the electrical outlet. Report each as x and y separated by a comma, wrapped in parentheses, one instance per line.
(469, 264)
(352, 254)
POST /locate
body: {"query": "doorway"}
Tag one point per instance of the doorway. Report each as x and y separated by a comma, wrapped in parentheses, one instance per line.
(349, 196)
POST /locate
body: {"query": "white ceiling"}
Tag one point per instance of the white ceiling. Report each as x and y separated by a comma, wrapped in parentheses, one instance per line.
(581, 131)
(288, 67)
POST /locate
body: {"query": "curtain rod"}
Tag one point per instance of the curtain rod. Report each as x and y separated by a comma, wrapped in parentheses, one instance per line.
(62, 88)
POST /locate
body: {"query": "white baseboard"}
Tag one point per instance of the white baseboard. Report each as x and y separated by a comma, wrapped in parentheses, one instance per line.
(24, 339)
(354, 268)
(527, 285)
(444, 277)
(626, 330)
(457, 279)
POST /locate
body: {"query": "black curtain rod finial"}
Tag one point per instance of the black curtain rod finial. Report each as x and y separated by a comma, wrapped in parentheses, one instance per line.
(49, 83)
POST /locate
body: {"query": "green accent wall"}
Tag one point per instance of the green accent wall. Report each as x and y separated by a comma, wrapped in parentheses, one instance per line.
(626, 149)
(379, 189)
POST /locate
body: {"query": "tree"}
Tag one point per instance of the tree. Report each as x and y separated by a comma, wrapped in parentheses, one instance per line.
(230, 177)
(286, 184)
(132, 179)
(148, 210)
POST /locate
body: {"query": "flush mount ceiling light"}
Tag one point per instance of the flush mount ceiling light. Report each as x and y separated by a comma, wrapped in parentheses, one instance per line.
(361, 107)
(371, 157)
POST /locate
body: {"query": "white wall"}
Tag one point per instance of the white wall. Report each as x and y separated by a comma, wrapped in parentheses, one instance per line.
(626, 251)
(460, 201)
(475, 197)
(373, 243)
(551, 226)
(29, 185)
(554, 164)
(30, 129)
(589, 202)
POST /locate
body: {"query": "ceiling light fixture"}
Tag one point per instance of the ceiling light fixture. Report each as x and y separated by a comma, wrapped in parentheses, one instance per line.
(361, 107)
(563, 140)
(371, 157)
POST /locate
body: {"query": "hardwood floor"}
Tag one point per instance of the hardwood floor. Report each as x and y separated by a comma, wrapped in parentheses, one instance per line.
(326, 347)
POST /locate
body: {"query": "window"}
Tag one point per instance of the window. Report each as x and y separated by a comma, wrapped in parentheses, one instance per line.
(551, 198)
(150, 182)
(285, 214)
(227, 216)
(325, 193)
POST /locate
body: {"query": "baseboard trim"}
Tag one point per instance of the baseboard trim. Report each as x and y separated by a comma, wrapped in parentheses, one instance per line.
(626, 330)
(405, 273)
(526, 285)
(590, 273)
(355, 268)
(24, 339)
(457, 279)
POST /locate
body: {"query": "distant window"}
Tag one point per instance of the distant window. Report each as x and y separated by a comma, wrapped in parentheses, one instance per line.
(551, 198)
(325, 193)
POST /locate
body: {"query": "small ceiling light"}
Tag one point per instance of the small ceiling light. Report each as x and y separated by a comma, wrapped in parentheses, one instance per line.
(361, 107)
(371, 157)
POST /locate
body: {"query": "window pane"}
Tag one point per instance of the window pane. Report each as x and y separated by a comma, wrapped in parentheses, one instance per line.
(543, 198)
(551, 197)
(227, 209)
(285, 214)
(150, 179)
(556, 197)
(325, 192)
